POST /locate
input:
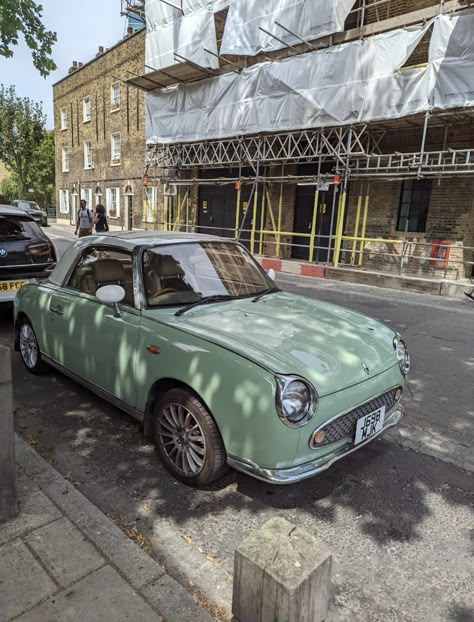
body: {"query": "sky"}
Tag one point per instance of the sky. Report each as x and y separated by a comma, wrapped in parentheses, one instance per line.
(81, 26)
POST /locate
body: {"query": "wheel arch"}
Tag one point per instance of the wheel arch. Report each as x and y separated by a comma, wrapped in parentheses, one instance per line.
(20, 316)
(159, 388)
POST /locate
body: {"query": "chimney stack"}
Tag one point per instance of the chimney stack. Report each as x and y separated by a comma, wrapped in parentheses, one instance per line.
(80, 65)
(129, 32)
(100, 50)
(73, 67)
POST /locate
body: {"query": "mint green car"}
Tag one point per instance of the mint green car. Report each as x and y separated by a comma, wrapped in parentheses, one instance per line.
(187, 333)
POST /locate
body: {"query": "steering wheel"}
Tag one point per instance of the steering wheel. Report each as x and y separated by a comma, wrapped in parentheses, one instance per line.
(166, 290)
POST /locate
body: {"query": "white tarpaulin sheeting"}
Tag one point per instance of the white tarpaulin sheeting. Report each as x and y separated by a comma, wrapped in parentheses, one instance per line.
(350, 83)
(334, 86)
(188, 32)
(310, 19)
(452, 55)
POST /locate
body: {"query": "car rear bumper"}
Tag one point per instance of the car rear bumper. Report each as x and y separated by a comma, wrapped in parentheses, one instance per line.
(314, 467)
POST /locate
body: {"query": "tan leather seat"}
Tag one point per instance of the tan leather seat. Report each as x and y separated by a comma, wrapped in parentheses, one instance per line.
(165, 272)
(112, 272)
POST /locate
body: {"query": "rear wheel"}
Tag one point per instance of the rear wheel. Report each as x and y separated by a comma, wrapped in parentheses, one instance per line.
(29, 349)
(187, 439)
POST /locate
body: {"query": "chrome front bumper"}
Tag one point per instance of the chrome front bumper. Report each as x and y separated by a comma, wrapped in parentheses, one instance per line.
(314, 467)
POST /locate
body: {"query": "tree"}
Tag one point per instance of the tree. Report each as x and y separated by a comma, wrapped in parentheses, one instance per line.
(9, 188)
(22, 125)
(24, 17)
(42, 171)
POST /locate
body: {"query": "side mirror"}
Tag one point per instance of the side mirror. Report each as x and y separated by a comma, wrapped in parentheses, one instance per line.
(111, 295)
(271, 273)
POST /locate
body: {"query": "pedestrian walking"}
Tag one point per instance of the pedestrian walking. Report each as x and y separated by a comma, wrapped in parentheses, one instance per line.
(101, 224)
(85, 220)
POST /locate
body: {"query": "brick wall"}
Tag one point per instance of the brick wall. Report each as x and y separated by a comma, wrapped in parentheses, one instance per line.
(94, 79)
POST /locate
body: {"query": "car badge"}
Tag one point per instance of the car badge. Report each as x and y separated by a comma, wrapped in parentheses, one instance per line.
(3, 252)
(366, 369)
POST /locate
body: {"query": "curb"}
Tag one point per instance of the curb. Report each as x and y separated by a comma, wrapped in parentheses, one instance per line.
(145, 575)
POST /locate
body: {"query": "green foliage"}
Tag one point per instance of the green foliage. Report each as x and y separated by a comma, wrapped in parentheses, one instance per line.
(42, 173)
(9, 187)
(24, 17)
(22, 125)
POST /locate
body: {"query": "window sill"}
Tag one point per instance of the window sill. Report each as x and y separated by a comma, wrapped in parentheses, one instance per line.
(87, 121)
(63, 129)
(115, 109)
(116, 163)
(65, 170)
(88, 168)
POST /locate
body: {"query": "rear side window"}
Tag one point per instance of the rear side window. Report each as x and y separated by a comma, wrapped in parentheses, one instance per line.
(15, 228)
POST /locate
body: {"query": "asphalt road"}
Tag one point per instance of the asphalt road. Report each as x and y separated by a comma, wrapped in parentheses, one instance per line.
(400, 523)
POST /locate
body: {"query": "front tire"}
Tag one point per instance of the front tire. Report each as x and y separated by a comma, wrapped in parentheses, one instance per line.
(29, 349)
(187, 439)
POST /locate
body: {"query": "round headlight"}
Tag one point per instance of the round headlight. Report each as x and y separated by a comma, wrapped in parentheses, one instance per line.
(296, 401)
(402, 354)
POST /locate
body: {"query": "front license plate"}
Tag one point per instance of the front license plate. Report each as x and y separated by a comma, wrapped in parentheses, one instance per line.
(369, 425)
(10, 286)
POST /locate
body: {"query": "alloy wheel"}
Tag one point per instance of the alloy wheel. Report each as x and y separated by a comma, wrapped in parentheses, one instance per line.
(28, 346)
(182, 439)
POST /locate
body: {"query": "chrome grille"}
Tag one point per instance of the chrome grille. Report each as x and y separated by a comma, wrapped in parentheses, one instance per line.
(345, 425)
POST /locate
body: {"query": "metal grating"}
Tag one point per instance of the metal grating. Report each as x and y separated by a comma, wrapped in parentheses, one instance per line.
(345, 425)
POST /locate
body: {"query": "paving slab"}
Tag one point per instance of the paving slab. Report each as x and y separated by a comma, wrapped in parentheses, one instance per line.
(23, 583)
(173, 601)
(36, 510)
(64, 551)
(102, 595)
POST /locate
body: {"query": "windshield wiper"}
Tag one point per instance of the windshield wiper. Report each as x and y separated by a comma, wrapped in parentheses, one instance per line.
(201, 301)
(270, 290)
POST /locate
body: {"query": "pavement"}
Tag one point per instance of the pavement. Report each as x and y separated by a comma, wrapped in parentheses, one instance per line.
(63, 560)
(398, 515)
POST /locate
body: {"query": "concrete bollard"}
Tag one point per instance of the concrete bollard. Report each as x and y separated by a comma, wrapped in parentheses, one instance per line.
(281, 574)
(8, 496)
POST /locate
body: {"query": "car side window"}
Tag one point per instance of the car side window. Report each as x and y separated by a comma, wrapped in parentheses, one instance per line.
(100, 266)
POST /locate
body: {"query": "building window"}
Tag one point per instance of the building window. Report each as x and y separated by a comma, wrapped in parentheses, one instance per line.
(86, 109)
(116, 147)
(65, 159)
(64, 119)
(414, 204)
(115, 96)
(150, 211)
(64, 201)
(86, 195)
(113, 202)
(88, 162)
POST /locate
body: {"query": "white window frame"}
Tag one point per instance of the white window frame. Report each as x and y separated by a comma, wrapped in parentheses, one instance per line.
(113, 150)
(86, 109)
(88, 159)
(113, 200)
(86, 195)
(64, 201)
(65, 158)
(150, 204)
(63, 119)
(115, 96)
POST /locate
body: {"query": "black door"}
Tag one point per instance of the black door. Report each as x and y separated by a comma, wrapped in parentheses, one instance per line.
(325, 223)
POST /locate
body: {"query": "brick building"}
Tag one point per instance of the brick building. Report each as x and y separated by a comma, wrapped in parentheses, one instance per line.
(100, 134)
(403, 187)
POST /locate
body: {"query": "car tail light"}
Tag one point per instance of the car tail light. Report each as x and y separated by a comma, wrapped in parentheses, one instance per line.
(40, 250)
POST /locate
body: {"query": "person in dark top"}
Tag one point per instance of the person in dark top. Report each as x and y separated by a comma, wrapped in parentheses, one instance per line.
(101, 224)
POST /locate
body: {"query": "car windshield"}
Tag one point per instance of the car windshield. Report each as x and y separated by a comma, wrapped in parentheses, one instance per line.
(179, 274)
(14, 228)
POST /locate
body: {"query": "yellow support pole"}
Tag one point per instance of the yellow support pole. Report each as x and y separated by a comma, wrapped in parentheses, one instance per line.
(262, 225)
(313, 225)
(165, 213)
(280, 208)
(270, 213)
(187, 211)
(356, 229)
(340, 228)
(237, 213)
(254, 222)
(364, 227)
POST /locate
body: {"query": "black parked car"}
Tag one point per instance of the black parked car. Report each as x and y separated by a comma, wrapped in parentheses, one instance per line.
(34, 210)
(26, 253)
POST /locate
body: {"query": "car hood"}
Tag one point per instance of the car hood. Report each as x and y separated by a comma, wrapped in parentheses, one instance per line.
(331, 346)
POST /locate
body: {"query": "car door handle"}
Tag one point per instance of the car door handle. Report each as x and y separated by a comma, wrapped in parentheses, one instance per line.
(56, 309)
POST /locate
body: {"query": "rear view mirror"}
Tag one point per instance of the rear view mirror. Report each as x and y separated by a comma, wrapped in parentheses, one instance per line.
(111, 295)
